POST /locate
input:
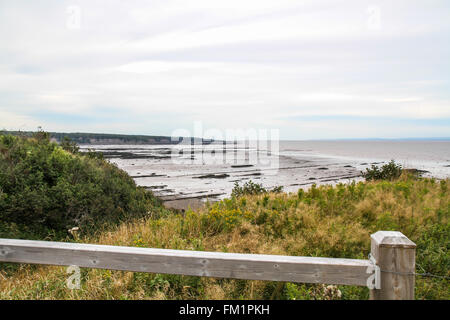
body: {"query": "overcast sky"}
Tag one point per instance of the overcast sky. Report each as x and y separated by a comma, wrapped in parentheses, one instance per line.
(313, 69)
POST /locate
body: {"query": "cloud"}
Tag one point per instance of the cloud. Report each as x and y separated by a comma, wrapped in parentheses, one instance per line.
(152, 67)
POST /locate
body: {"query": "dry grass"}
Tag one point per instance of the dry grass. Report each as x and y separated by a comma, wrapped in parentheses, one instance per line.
(326, 221)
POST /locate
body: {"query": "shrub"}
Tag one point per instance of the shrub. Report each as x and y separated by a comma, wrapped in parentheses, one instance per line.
(325, 221)
(251, 188)
(388, 171)
(69, 145)
(46, 189)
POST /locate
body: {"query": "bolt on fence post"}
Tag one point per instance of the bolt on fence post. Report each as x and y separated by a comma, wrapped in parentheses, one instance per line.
(395, 254)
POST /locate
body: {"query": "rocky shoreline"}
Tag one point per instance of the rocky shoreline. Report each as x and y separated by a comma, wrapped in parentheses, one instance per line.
(182, 180)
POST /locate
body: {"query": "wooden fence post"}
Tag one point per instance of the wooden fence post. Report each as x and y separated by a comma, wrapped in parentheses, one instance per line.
(395, 254)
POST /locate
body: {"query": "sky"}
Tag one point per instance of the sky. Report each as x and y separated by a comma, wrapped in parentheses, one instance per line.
(310, 69)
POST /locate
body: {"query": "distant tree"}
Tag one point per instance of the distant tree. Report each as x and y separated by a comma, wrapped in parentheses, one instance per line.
(41, 135)
(69, 145)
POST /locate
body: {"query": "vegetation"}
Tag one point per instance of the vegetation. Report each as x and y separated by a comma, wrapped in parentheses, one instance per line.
(390, 171)
(322, 221)
(93, 138)
(46, 189)
(251, 188)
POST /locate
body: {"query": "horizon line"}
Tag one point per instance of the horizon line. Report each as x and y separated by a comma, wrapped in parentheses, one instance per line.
(321, 139)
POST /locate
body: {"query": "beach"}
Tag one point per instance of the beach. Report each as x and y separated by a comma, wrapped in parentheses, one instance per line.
(188, 176)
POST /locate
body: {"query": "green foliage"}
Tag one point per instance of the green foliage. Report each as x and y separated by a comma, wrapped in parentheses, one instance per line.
(390, 171)
(86, 138)
(251, 188)
(46, 189)
(69, 145)
(433, 258)
(325, 221)
(90, 153)
(433, 249)
(248, 188)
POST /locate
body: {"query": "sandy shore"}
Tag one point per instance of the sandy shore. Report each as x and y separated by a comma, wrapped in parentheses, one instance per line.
(187, 179)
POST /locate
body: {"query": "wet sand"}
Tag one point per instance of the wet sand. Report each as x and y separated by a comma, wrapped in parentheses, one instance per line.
(185, 178)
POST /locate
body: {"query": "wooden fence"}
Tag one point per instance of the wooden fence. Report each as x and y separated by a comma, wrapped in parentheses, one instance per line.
(389, 273)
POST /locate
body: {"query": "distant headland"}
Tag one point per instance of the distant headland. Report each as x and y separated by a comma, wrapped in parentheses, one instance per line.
(108, 138)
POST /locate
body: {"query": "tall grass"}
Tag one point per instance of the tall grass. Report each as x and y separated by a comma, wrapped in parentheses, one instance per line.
(322, 221)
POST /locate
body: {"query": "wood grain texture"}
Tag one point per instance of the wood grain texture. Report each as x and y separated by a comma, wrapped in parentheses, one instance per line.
(193, 263)
(395, 254)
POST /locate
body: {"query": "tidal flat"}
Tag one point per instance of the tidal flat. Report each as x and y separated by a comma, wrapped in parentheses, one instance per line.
(188, 175)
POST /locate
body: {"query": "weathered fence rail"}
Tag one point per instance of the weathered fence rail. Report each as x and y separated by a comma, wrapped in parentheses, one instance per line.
(389, 273)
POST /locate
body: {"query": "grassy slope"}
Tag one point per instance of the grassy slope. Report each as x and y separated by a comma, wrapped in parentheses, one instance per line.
(325, 221)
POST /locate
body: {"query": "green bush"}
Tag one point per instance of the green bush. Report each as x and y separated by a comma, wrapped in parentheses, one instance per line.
(69, 145)
(46, 189)
(251, 188)
(390, 171)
